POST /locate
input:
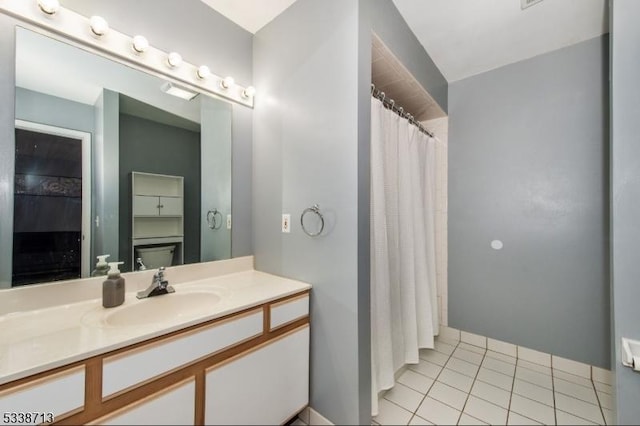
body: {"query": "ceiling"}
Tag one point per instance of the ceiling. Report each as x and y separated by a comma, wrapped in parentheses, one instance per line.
(467, 37)
(391, 77)
(250, 14)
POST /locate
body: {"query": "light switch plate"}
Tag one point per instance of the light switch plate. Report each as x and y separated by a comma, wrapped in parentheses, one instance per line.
(286, 223)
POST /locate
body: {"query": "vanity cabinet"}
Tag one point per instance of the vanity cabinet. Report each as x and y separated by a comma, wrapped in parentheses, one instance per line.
(238, 369)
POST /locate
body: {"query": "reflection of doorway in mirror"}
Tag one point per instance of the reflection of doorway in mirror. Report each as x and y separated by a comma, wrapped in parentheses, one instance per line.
(52, 204)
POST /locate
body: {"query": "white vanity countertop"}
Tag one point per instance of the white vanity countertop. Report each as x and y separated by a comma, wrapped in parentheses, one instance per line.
(42, 339)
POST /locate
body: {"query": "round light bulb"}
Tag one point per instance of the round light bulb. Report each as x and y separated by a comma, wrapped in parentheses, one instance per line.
(227, 82)
(249, 92)
(50, 7)
(174, 60)
(139, 44)
(99, 25)
(203, 72)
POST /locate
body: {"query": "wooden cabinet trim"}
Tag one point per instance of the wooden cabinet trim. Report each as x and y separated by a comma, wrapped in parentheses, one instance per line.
(39, 380)
(166, 338)
(289, 299)
(279, 336)
(138, 402)
(179, 367)
(279, 303)
(201, 389)
(42, 379)
(184, 373)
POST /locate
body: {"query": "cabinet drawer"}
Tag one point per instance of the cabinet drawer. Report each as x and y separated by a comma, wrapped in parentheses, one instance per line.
(290, 310)
(132, 368)
(58, 394)
(172, 406)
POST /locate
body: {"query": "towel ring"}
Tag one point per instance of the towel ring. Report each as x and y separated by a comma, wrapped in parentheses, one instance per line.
(313, 209)
(211, 219)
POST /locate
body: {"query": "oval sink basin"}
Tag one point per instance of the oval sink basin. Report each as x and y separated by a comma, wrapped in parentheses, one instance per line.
(158, 309)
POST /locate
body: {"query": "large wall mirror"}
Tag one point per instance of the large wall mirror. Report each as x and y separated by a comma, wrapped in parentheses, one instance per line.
(113, 161)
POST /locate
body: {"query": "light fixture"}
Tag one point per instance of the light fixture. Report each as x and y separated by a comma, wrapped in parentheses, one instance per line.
(178, 91)
(99, 25)
(249, 92)
(139, 44)
(227, 82)
(174, 60)
(50, 7)
(203, 72)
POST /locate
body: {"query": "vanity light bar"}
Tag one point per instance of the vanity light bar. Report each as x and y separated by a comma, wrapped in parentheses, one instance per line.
(49, 7)
(99, 26)
(139, 44)
(94, 33)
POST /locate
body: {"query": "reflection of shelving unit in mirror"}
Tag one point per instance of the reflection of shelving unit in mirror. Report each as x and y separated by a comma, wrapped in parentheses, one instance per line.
(157, 217)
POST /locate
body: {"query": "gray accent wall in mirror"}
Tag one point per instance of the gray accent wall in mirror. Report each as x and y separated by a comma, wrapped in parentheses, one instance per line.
(75, 201)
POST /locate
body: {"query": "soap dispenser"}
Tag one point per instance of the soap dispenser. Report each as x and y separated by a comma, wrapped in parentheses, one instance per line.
(113, 287)
(102, 267)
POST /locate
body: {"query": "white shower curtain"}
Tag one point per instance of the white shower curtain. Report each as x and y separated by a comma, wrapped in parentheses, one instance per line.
(404, 312)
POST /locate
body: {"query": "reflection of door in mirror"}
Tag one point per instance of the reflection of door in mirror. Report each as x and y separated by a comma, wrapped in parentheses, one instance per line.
(51, 203)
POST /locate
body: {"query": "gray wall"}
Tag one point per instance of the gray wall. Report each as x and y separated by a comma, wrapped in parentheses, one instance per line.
(106, 157)
(305, 145)
(202, 36)
(312, 119)
(528, 165)
(625, 206)
(151, 147)
(51, 110)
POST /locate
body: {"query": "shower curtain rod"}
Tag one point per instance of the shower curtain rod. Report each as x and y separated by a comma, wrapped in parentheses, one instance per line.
(391, 104)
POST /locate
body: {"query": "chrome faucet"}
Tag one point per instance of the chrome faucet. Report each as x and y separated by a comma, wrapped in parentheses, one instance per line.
(140, 264)
(159, 286)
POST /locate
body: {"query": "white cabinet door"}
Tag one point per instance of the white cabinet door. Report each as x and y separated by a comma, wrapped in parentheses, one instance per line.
(57, 394)
(144, 205)
(265, 386)
(172, 406)
(170, 206)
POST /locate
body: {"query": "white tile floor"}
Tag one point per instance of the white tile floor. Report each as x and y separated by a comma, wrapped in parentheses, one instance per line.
(458, 383)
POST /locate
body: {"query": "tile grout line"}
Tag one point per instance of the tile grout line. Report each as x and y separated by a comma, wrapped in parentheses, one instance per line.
(513, 385)
(482, 381)
(473, 383)
(604, 419)
(553, 391)
(552, 375)
(598, 405)
(434, 380)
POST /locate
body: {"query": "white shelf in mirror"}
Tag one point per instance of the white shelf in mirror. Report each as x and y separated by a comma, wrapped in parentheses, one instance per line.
(157, 211)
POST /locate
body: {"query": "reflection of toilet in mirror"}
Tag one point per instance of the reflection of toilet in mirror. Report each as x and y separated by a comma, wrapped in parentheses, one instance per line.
(156, 256)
